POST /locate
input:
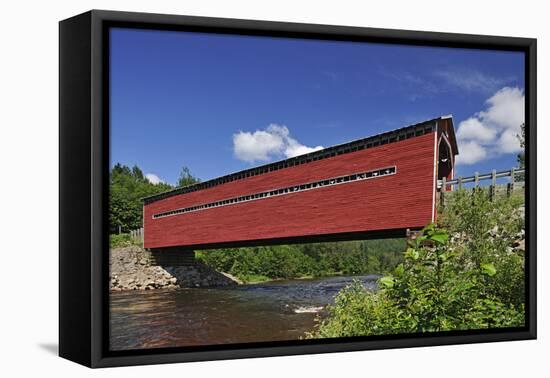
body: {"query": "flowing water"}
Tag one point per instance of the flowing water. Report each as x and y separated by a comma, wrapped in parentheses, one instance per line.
(273, 311)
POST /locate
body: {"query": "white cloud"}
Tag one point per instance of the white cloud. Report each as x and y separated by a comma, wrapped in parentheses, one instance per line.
(470, 153)
(264, 145)
(493, 131)
(474, 129)
(506, 109)
(153, 179)
(471, 80)
(296, 149)
(508, 142)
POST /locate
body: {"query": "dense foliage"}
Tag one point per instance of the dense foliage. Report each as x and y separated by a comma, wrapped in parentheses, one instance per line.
(461, 274)
(120, 240)
(299, 260)
(127, 187)
(521, 155)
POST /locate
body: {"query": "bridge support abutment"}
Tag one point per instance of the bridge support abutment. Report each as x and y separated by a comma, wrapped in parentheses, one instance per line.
(180, 263)
(173, 256)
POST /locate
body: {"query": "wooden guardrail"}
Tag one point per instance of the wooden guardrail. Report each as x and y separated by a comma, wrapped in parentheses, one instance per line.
(137, 235)
(516, 179)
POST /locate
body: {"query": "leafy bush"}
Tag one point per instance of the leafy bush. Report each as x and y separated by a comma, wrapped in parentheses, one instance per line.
(357, 311)
(120, 240)
(483, 231)
(462, 277)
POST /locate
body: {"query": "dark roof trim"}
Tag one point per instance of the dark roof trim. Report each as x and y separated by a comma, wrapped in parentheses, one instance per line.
(355, 145)
(451, 131)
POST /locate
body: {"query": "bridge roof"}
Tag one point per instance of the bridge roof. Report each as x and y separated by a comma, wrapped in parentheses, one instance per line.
(392, 136)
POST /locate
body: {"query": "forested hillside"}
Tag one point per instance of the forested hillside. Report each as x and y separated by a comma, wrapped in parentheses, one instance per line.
(313, 259)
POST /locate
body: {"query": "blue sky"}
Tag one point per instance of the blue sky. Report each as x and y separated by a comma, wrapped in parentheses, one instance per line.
(219, 103)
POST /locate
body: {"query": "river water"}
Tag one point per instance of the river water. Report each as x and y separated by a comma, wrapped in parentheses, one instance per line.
(273, 311)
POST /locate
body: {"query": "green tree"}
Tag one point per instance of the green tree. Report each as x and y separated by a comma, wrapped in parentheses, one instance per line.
(186, 178)
(312, 259)
(521, 155)
(127, 187)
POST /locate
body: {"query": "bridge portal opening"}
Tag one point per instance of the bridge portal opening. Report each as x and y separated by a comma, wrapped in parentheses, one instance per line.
(445, 160)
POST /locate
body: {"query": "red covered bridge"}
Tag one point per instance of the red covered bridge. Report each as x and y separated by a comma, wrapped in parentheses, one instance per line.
(373, 187)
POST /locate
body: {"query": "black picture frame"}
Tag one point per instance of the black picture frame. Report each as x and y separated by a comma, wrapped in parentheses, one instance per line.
(83, 195)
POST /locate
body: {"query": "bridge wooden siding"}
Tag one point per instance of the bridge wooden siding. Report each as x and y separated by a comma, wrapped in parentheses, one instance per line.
(394, 202)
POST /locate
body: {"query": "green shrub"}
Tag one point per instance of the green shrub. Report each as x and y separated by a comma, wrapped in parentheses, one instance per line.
(463, 277)
(357, 311)
(483, 231)
(120, 240)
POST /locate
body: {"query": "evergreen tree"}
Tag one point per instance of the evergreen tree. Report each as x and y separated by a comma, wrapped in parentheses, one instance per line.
(186, 178)
(521, 155)
(127, 188)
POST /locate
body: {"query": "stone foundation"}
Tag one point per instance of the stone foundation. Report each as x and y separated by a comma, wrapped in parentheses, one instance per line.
(133, 268)
(200, 275)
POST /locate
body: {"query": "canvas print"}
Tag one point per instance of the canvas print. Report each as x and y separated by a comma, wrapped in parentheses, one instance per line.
(268, 189)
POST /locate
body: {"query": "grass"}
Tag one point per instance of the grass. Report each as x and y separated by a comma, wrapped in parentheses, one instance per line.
(254, 278)
(121, 240)
(259, 278)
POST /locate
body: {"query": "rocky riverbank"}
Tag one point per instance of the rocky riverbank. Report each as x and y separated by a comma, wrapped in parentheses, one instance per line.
(131, 268)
